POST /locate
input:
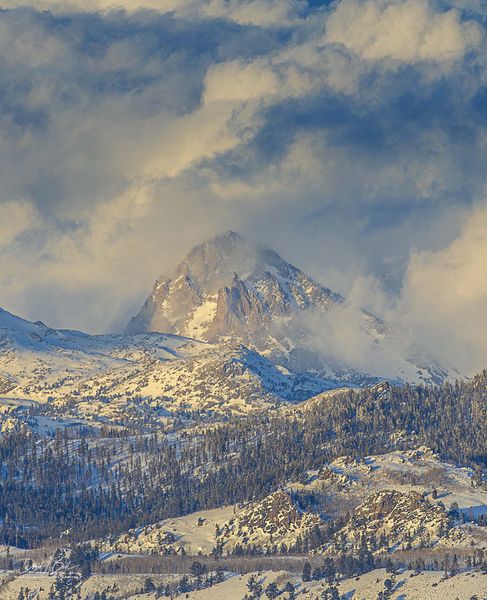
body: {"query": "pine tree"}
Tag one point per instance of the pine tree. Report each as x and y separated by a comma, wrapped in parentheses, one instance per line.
(272, 591)
(331, 593)
(306, 575)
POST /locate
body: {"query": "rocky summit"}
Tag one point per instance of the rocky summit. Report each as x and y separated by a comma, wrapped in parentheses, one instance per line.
(229, 286)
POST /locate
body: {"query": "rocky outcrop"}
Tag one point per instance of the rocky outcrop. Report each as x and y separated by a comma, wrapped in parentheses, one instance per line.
(267, 525)
(339, 480)
(150, 539)
(238, 309)
(393, 520)
(6, 384)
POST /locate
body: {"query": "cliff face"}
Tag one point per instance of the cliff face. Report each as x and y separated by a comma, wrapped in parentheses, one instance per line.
(270, 523)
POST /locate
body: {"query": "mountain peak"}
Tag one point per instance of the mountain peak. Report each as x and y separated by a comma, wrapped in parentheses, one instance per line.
(224, 242)
(230, 286)
(213, 264)
(228, 236)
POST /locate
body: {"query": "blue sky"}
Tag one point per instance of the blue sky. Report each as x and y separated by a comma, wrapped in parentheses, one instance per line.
(348, 135)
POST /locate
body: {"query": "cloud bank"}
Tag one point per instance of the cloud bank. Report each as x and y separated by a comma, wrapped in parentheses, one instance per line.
(350, 136)
(445, 296)
(405, 31)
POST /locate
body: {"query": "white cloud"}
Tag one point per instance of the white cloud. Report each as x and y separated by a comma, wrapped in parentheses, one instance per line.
(236, 80)
(256, 12)
(97, 5)
(444, 298)
(401, 30)
(246, 12)
(294, 73)
(163, 146)
(16, 218)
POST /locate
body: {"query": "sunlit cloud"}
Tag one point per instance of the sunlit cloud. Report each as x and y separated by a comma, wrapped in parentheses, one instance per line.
(445, 294)
(402, 30)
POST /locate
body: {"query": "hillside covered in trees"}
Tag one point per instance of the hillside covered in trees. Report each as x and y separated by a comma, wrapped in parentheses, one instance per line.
(86, 484)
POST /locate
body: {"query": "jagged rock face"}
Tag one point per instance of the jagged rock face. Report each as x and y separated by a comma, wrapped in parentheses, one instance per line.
(229, 287)
(272, 522)
(392, 519)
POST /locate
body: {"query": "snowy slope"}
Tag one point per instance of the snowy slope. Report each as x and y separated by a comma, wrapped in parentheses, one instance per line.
(265, 525)
(224, 378)
(404, 494)
(390, 494)
(195, 533)
(148, 375)
(410, 471)
(407, 586)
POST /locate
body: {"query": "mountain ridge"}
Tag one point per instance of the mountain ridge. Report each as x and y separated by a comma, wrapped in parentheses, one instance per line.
(150, 375)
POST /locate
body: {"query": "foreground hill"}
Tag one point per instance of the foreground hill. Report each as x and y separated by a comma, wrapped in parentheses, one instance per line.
(341, 481)
(113, 478)
(397, 502)
(405, 585)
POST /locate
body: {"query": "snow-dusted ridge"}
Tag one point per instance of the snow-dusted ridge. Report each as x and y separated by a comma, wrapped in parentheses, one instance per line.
(393, 502)
(117, 377)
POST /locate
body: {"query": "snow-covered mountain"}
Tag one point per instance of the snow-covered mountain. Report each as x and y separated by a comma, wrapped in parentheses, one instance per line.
(235, 329)
(232, 289)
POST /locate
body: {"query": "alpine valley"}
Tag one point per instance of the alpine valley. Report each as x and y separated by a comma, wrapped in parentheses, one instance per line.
(225, 446)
